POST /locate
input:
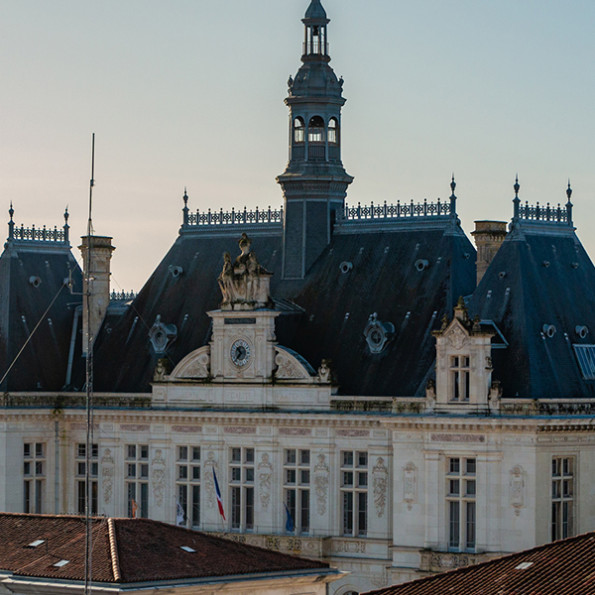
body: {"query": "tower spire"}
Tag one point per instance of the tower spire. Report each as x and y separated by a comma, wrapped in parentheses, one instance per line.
(314, 182)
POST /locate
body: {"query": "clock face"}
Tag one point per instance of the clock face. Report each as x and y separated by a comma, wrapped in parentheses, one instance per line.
(240, 353)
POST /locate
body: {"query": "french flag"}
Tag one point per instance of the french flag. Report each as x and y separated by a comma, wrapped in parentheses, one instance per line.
(218, 492)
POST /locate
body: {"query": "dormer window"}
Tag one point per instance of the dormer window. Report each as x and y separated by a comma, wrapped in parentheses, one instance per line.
(298, 130)
(333, 129)
(459, 373)
(316, 130)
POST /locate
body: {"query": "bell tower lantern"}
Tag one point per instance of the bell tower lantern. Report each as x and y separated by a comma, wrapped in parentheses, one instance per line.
(314, 182)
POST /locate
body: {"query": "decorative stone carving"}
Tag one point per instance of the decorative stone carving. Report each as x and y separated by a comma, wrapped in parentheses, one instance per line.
(107, 475)
(324, 372)
(379, 486)
(286, 368)
(378, 333)
(161, 369)
(516, 485)
(209, 482)
(321, 484)
(409, 484)
(291, 366)
(494, 396)
(158, 477)
(244, 284)
(430, 395)
(265, 470)
(162, 335)
(457, 337)
(197, 364)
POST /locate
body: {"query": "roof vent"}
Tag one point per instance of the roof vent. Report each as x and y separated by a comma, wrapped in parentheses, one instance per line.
(345, 267)
(421, 265)
(501, 274)
(34, 281)
(546, 263)
(574, 265)
(175, 271)
(582, 331)
(523, 566)
(187, 548)
(549, 330)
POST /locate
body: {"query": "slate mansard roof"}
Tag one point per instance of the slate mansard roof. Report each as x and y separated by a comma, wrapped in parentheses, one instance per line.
(565, 567)
(328, 310)
(540, 292)
(35, 268)
(127, 551)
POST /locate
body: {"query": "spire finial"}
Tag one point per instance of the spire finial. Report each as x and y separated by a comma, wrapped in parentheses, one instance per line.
(569, 190)
(185, 197)
(517, 186)
(11, 211)
(66, 215)
(185, 209)
(453, 184)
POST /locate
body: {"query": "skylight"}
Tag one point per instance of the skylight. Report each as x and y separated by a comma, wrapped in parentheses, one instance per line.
(585, 354)
(523, 566)
(61, 563)
(36, 543)
(187, 548)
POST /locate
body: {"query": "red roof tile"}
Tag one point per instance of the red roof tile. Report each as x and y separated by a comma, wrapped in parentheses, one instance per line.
(130, 551)
(565, 567)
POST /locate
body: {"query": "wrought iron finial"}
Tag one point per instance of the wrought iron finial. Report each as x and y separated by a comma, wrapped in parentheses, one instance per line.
(569, 205)
(11, 222)
(569, 191)
(517, 186)
(453, 184)
(66, 215)
(185, 197)
(11, 211)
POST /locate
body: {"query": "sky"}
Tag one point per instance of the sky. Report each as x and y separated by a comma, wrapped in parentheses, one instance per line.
(189, 93)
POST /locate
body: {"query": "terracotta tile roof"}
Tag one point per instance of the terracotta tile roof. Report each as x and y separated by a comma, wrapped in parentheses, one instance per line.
(130, 551)
(565, 567)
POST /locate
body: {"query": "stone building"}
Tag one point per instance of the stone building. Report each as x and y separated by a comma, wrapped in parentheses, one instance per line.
(358, 394)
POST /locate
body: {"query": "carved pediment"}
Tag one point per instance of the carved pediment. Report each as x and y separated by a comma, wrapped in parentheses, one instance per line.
(456, 335)
(197, 364)
(291, 366)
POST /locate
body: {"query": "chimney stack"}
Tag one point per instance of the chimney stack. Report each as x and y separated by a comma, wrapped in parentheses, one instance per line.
(97, 253)
(489, 236)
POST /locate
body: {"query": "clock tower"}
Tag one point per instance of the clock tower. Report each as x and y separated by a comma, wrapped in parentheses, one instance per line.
(243, 341)
(314, 182)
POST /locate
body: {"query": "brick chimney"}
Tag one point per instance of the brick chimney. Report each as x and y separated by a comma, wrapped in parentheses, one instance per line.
(489, 236)
(98, 260)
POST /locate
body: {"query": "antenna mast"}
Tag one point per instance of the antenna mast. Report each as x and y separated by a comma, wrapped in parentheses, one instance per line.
(89, 385)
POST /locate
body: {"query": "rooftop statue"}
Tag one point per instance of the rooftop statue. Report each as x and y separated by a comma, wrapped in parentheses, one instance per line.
(244, 284)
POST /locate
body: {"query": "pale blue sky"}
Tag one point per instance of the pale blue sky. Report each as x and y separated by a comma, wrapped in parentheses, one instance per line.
(190, 93)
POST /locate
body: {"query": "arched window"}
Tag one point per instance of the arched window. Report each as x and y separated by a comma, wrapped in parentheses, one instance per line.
(333, 131)
(298, 130)
(316, 130)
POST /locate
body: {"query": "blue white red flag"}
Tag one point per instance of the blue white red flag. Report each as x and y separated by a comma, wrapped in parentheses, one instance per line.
(218, 493)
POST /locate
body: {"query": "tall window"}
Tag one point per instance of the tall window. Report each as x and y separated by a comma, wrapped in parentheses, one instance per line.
(137, 479)
(296, 479)
(354, 492)
(33, 474)
(298, 130)
(461, 503)
(316, 130)
(80, 468)
(188, 485)
(562, 497)
(332, 131)
(459, 373)
(241, 472)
